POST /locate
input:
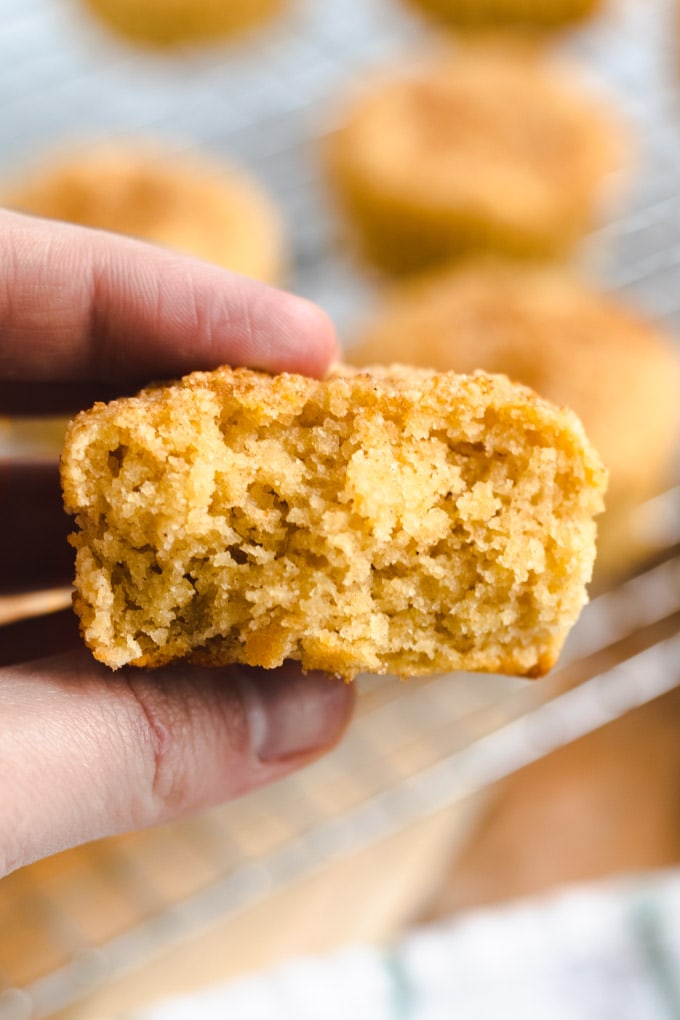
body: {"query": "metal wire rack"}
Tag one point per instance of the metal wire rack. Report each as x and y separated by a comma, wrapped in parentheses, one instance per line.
(71, 923)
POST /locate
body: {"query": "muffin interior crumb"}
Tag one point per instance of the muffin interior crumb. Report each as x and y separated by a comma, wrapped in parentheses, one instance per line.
(355, 525)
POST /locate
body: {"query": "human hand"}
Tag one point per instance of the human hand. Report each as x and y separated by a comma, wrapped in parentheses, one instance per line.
(84, 752)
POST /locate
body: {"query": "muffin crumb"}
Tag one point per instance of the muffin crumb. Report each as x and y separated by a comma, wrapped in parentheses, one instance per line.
(394, 520)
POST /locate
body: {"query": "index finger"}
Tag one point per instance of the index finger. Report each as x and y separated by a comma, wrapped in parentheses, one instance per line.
(82, 305)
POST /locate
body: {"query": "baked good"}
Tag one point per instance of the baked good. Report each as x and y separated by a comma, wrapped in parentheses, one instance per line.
(401, 521)
(514, 14)
(193, 204)
(571, 342)
(172, 23)
(481, 148)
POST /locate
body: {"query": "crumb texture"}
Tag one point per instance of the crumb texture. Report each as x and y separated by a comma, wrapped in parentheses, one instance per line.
(393, 520)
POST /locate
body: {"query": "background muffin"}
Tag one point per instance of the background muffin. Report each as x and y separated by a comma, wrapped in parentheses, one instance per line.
(524, 14)
(482, 148)
(568, 341)
(166, 23)
(196, 206)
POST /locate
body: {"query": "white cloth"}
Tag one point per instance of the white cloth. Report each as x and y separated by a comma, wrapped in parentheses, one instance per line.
(598, 952)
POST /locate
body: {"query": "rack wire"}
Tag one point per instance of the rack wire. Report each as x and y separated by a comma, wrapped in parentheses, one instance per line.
(77, 920)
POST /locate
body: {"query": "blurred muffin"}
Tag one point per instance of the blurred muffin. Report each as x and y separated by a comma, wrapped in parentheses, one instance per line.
(485, 148)
(572, 344)
(193, 205)
(168, 23)
(491, 14)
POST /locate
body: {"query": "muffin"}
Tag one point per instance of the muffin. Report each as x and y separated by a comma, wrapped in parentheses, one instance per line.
(194, 205)
(572, 343)
(506, 14)
(402, 521)
(172, 23)
(482, 149)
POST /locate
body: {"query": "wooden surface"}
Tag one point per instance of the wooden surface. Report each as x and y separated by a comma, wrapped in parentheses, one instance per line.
(370, 896)
(606, 804)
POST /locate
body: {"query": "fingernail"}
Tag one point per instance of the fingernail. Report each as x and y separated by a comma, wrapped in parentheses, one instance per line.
(289, 713)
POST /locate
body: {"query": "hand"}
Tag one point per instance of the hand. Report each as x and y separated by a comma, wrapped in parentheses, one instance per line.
(84, 752)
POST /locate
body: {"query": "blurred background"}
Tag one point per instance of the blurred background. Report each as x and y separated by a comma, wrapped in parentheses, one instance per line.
(450, 794)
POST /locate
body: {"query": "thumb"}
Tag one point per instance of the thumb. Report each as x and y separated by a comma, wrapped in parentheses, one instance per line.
(85, 753)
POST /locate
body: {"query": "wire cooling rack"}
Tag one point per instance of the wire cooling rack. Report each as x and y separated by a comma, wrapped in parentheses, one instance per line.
(76, 921)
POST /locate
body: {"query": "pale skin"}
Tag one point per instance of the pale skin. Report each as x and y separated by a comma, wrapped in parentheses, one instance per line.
(85, 752)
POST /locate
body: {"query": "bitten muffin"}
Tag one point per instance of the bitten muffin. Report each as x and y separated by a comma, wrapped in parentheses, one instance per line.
(192, 204)
(482, 148)
(172, 23)
(506, 14)
(401, 521)
(572, 343)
